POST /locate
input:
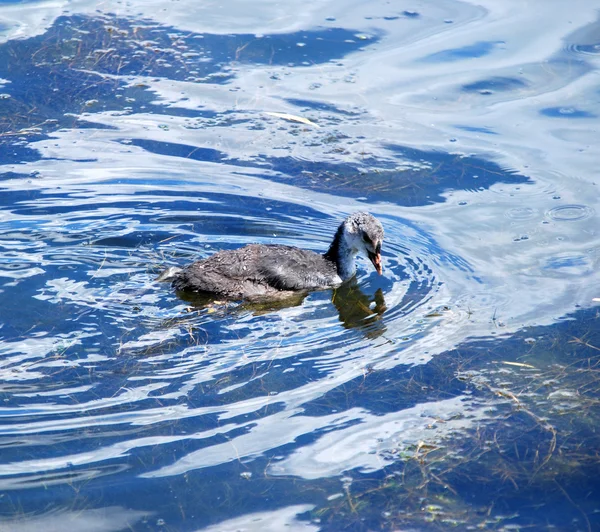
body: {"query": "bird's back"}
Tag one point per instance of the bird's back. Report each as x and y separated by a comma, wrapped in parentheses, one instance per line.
(257, 271)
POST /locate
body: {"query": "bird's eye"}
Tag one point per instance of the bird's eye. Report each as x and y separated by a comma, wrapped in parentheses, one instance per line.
(366, 238)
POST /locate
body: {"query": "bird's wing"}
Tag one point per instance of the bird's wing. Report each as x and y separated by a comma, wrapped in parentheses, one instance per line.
(287, 268)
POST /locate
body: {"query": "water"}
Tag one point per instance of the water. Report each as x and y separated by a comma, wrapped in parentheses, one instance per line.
(457, 391)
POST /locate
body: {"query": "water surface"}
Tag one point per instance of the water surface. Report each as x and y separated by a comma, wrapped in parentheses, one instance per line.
(459, 390)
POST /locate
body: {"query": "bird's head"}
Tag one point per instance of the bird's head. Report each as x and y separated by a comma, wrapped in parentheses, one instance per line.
(364, 233)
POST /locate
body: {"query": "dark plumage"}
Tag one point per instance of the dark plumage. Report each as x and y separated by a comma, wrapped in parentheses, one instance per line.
(262, 272)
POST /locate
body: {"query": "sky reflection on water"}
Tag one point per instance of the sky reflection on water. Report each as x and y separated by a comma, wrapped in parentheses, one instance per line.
(450, 392)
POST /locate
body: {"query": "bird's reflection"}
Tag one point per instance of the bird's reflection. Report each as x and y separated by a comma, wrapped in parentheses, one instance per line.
(355, 308)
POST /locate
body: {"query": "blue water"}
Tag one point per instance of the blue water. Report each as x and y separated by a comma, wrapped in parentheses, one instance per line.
(458, 391)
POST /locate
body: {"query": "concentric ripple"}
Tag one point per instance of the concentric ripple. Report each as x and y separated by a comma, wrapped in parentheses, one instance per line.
(137, 359)
(520, 214)
(570, 213)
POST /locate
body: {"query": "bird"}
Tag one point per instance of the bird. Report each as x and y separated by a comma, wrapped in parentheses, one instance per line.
(263, 272)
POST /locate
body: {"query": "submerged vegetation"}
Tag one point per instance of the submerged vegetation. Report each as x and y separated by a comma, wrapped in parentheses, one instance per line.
(534, 462)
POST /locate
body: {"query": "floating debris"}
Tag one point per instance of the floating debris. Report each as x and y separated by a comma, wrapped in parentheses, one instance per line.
(519, 364)
(293, 118)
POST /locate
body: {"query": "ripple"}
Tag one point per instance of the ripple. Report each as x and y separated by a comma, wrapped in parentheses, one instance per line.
(145, 349)
(497, 83)
(570, 213)
(155, 152)
(526, 190)
(571, 264)
(45, 479)
(585, 49)
(566, 112)
(521, 213)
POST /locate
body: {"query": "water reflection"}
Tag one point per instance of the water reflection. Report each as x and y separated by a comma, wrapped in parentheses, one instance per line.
(271, 521)
(355, 308)
(85, 62)
(106, 519)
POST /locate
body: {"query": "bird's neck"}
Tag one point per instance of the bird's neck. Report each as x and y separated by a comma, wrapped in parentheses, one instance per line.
(342, 255)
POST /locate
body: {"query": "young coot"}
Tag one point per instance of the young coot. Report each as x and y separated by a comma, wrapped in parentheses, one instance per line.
(258, 272)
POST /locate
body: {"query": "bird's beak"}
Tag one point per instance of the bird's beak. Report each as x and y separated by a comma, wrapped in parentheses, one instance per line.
(375, 258)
